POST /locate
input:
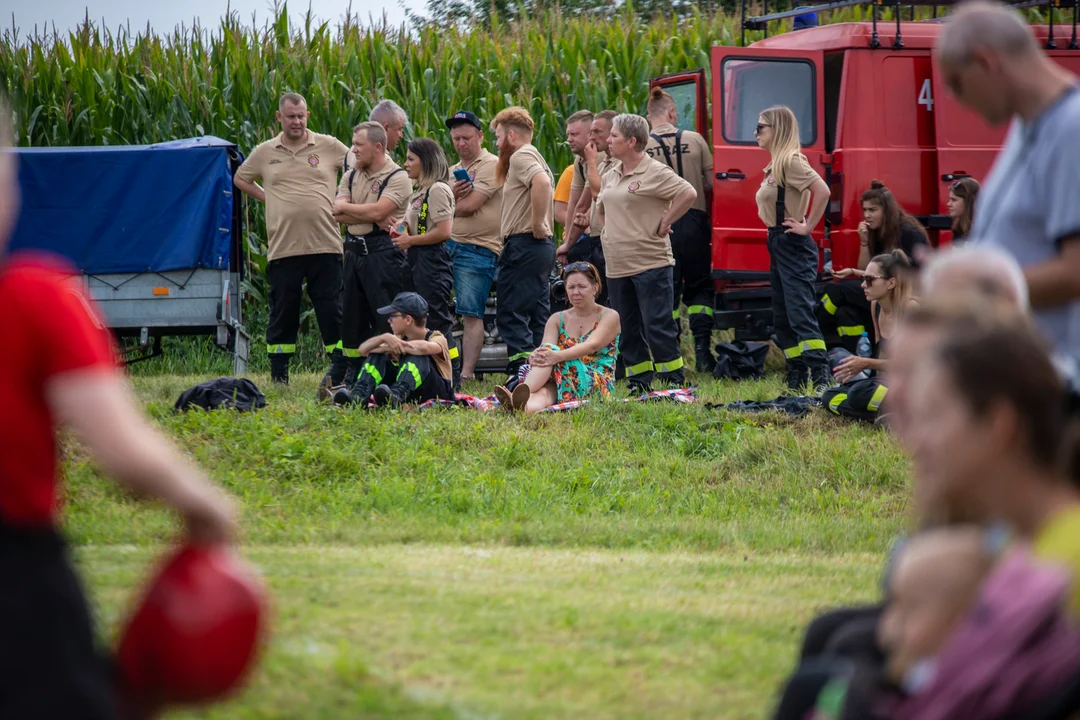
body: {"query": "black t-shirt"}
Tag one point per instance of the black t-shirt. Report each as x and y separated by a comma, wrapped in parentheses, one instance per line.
(911, 236)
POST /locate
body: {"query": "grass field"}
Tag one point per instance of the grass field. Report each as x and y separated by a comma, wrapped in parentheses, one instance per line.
(622, 561)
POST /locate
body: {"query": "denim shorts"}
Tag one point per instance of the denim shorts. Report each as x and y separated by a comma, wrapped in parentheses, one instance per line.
(474, 271)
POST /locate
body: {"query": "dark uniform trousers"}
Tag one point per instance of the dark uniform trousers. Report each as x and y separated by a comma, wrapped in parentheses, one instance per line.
(523, 295)
(650, 338)
(856, 400)
(432, 272)
(844, 314)
(792, 270)
(286, 277)
(588, 249)
(49, 665)
(690, 244)
(375, 272)
(414, 378)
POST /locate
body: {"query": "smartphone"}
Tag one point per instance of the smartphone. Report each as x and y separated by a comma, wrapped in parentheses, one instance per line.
(462, 174)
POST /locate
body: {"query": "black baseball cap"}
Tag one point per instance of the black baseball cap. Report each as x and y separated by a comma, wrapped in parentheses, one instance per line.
(464, 117)
(407, 303)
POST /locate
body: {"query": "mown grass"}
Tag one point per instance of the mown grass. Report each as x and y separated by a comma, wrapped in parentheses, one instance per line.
(622, 561)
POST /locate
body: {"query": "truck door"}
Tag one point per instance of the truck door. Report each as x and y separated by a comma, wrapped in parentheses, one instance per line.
(966, 144)
(745, 82)
(691, 96)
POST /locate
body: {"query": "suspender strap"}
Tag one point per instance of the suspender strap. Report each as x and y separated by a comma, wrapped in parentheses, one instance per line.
(667, 153)
(781, 211)
(385, 182)
(421, 223)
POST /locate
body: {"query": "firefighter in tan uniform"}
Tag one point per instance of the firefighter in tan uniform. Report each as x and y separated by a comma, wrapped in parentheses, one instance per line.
(299, 171)
(370, 195)
(688, 154)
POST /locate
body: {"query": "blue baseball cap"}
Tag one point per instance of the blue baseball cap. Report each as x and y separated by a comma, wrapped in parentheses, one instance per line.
(407, 303)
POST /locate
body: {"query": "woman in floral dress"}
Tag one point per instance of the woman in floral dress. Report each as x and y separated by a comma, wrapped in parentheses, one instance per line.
(577, 359)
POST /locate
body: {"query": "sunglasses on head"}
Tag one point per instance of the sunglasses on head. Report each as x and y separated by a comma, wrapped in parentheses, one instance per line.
(576, 267)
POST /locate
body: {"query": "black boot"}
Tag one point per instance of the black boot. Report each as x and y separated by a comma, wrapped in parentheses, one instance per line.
(279, 368)
(797, 375)
(335, 376)
(359, 393)
(704, 362)
(352, 371)
(392, 395)
(820, 375)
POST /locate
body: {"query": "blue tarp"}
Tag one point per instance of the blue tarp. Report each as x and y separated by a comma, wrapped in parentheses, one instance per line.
(131, 208)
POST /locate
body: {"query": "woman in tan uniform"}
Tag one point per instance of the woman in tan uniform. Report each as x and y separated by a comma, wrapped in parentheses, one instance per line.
(783, 201)
(428, 223)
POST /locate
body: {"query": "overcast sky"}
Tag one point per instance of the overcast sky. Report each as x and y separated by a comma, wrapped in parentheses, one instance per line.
(164, 15)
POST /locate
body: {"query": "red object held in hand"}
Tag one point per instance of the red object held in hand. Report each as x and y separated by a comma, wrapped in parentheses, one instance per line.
(197, 633)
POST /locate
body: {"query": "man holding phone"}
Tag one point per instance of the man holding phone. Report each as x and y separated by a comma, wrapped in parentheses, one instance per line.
(476, 242)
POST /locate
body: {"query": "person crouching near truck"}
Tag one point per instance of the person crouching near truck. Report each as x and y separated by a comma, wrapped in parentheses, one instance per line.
(427, 225)
(886, 226)
(785, 192)
(369, 195)
(640, 199)
(887, 285)
(408, 364)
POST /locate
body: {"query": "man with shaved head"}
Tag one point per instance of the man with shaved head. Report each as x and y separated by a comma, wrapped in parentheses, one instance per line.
(393, 119)
(1028, 205)
(299, 172)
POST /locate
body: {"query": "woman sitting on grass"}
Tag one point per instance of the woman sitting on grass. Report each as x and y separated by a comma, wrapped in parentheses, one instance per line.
(886, 283)
(577, 359)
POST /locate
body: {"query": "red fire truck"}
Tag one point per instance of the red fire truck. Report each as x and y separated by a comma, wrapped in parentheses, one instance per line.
(870, 104)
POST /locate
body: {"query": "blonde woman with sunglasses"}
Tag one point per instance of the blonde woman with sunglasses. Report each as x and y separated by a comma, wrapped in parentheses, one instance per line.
(577, 359)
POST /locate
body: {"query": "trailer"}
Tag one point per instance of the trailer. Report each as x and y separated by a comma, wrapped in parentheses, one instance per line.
(155, 231)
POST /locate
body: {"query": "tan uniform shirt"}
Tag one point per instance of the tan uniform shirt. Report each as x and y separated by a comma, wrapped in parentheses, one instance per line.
(365, 190)
(697, 159)
(442, 360)
(525, 165)
(483, 226)
(440, 201)
(799, 177)
(603, 167)
(634, 204)
(299, 189)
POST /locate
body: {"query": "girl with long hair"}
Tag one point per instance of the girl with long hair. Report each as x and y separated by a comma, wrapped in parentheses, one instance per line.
(962, 195)
(784, 205)
(428, 222)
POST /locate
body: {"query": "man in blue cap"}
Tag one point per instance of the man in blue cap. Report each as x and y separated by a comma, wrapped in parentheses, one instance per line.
(408, 364)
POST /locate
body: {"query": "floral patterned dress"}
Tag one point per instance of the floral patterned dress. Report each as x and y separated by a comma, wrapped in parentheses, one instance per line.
(589, 375)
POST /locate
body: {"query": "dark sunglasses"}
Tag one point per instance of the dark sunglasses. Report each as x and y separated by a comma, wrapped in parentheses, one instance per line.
(868, 280)
(760, 127)
(576, 267)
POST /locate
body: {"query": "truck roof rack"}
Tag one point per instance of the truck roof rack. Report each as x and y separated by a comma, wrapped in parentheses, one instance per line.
(812, 7)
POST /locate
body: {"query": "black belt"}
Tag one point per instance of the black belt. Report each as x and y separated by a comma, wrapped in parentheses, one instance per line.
(528, 236)
(372, 243)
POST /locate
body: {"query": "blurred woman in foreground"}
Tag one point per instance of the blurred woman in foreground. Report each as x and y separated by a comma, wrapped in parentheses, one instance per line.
(59, 368)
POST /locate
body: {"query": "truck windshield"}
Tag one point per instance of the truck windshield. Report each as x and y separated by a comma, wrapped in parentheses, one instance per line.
(750, 86)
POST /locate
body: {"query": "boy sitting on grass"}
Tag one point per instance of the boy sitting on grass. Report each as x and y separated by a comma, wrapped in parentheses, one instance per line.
(408, 364)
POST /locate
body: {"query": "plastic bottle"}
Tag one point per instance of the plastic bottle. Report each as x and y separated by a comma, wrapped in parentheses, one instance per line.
(863, 348)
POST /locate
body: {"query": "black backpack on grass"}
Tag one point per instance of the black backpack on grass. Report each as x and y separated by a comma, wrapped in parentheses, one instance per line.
(227, 392)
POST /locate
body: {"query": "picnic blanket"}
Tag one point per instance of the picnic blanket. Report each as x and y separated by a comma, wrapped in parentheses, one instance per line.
(682, 395)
